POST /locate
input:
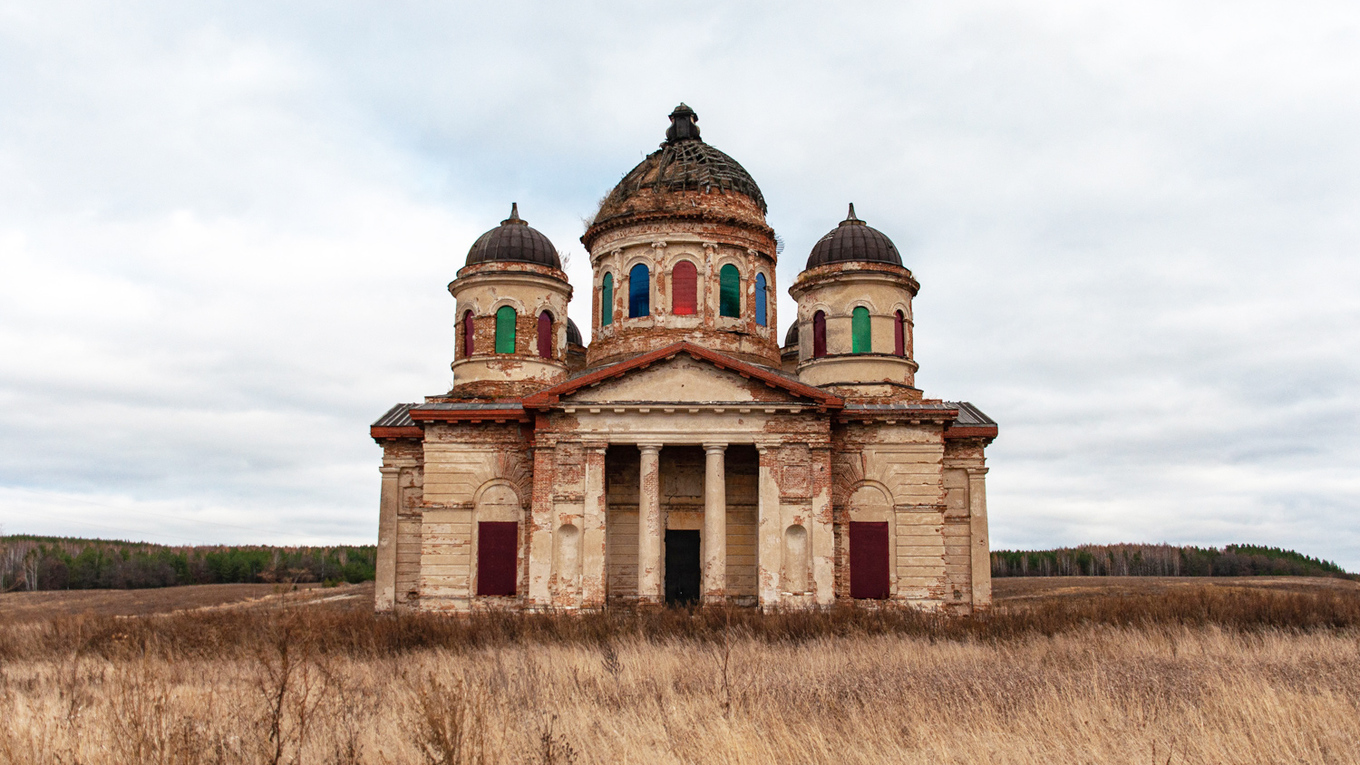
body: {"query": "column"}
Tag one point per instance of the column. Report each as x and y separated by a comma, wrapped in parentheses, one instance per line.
(715, 524)
(539, 556)
(977, 538)
(385, 586)
(593, 529)
(821, 530)
(769, 532)
(649, 526)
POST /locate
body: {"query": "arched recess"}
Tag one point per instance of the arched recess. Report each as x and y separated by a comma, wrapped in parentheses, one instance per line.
(468, 333)
(761, 299)
(639, 291)
(497, 512)
(861, 337)
(872, 547)
(505, 329)
(545, 333)
(819, 334)
(567, 555)
(607, 300)
(729, 291)
(684, 288)
(794, 577)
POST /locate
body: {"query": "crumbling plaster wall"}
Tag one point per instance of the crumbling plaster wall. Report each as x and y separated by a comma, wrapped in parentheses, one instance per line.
(529, 289)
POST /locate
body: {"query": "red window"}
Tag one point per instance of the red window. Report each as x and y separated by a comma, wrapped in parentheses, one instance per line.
(818, 335)
(900, 335)
(467, 334)
(497, 549)
(545, 335)
(684, 288)
(869, 560)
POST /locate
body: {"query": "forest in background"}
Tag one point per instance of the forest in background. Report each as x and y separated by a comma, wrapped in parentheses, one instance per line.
(1161, 560)
(66, 563)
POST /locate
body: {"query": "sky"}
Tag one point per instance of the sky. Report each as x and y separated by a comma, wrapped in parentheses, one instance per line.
(227, 230)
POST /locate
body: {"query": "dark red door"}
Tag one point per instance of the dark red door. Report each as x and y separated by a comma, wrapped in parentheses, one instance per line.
(869, 560)
(497, 549)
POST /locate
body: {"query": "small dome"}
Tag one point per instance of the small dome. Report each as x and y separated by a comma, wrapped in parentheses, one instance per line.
(573, 333)
(791, 337)
(513, 241)
(683, 163)
(853, 241)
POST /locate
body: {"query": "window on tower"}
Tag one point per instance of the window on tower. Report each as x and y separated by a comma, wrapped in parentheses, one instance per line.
(545, 324)
(505, 329)
(900, 335)
(467, 334)
(760, 299)
(639, 291)
(684, 288)
(729, 291)
(818, 334)
(607, 300)
(860, 341)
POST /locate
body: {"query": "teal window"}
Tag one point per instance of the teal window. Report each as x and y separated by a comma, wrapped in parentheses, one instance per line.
(607, 300)
(505, 329)
(729, 291)
(859, 331)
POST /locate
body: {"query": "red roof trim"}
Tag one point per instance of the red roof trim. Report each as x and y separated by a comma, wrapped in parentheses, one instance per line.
(404, 431)
(551, 396)
(976, 431)
(469, 415)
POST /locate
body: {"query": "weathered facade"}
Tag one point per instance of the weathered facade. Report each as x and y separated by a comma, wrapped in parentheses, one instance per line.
(683, 455)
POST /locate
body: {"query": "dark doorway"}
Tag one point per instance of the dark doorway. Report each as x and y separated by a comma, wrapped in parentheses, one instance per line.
(869, 560)
(682, 566)
(497, 553)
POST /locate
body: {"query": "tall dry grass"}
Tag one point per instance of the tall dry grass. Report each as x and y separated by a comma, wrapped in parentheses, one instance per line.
(1199, 677)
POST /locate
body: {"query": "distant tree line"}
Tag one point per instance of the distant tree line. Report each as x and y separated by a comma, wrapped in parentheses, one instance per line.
(1161, 560)
(61, 563)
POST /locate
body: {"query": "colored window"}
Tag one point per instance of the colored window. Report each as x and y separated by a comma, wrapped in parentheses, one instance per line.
(859, 331)
(545, 335)
(729, 291)
(467, 334)
(760, 299)
(497, 551)
(684, 288)
(900, 335)
(607, 300)
(818, 334)
(869, 560)
(639, 292)
(505, 329)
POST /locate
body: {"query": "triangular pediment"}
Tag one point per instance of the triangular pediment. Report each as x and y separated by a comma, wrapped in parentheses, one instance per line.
(682, 373)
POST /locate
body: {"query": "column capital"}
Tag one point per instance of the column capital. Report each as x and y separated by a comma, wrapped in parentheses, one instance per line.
(389, 470)
(653, 448)
(977, 471)
(594, 446)
(713, 448)
(660, 244)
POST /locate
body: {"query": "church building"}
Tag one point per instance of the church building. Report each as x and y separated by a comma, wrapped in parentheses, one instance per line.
(685, 455)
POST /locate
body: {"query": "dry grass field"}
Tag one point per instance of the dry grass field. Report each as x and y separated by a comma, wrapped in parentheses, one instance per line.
(1161, 672)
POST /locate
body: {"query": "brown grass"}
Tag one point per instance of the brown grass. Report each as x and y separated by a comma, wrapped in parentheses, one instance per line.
(1186, 675)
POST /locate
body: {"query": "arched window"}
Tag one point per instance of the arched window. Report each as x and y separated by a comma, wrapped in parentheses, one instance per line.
(900, 335)
(607, 300)
(684, 288)
(639, 291)
(545, 335)
(760, 299)
(859, 331)
(467, 334)
(729, 291)
(818, 334)
(505, 329)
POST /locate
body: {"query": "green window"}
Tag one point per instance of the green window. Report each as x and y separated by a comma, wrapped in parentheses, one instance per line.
(729, 291)
(859, 331)
(505, 329)
(607, 300)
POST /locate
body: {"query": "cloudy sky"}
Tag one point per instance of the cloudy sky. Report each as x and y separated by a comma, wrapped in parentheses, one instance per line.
(226, 231)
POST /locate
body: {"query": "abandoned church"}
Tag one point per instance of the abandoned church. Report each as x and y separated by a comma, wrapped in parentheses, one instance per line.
(685, 454)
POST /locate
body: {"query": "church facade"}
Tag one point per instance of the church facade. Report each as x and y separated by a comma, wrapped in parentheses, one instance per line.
(685, 454)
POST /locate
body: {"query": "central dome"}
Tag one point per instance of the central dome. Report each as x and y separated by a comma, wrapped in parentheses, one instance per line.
(683, 163)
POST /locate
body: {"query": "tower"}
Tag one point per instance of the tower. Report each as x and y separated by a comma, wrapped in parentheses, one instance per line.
(680, 251)
(854, 328)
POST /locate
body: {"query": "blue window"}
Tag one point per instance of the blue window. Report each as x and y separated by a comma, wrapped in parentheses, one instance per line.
(760, 299)
(639, 292)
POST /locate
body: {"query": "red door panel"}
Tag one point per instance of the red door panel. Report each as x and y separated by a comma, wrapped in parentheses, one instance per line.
(497, 550)
(869, 560)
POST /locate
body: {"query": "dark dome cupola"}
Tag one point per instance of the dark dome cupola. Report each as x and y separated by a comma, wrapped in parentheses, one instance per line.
(854, 241)
(514, 242)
